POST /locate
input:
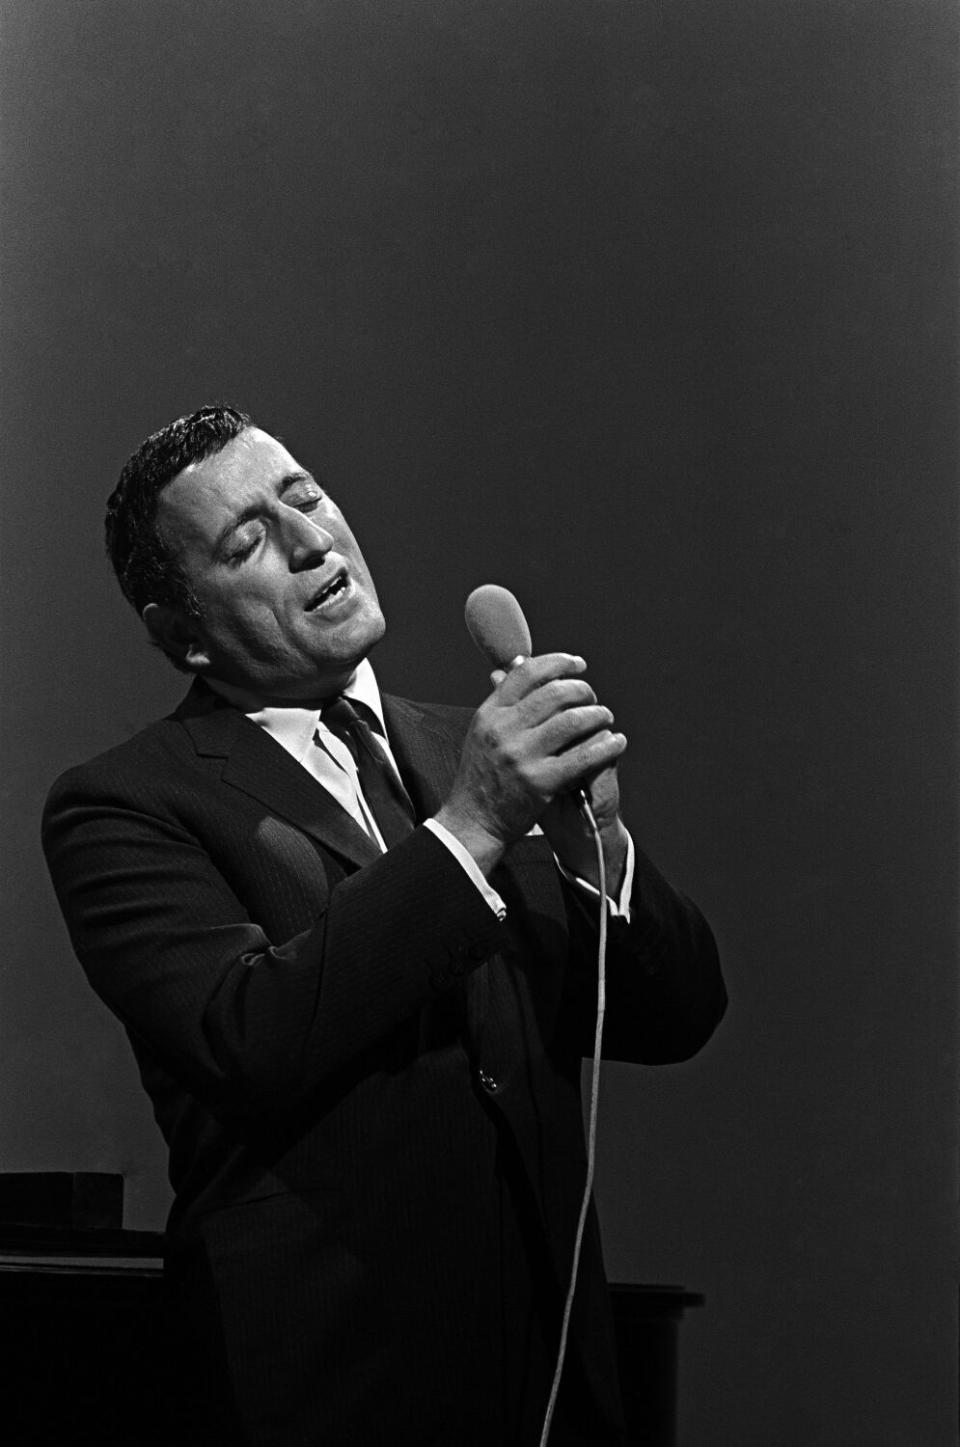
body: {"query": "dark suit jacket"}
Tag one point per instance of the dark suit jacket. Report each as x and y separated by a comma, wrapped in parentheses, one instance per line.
(369, 1086)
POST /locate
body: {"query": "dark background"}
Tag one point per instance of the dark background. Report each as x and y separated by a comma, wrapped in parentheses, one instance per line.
(646, 310)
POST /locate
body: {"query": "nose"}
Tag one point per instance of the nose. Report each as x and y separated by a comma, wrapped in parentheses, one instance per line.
(307, 544)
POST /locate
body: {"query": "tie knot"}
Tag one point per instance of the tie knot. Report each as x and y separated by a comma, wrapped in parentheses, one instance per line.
(379, 786)
(342, 719)
(339, 712)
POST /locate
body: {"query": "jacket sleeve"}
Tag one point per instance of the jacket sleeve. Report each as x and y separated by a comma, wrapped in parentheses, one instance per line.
(247, 1023)
(664, 989)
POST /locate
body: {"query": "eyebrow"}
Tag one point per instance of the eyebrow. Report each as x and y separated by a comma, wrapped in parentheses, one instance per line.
(255, 510)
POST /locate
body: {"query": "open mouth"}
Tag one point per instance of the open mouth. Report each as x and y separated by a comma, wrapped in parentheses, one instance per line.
(336, 587)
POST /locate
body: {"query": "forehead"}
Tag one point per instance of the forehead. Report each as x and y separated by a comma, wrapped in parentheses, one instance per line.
(201, 499)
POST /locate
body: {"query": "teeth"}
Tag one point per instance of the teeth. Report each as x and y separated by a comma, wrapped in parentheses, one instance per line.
(333, 587)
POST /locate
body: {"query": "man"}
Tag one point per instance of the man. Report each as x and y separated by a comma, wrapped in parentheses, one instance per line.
(354, 947)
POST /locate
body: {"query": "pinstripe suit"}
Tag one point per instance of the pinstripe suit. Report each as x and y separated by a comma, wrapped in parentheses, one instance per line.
(369, 1086)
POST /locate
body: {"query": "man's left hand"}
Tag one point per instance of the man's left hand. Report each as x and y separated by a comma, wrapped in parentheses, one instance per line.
(571, 837)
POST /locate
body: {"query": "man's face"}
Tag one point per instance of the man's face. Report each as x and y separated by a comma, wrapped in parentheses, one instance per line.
(288, 606)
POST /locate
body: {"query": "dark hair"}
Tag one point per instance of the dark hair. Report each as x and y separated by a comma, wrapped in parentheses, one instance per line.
(146, 568)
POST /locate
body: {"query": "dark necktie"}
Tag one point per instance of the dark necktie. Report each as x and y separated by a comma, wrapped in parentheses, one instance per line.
(384, 794)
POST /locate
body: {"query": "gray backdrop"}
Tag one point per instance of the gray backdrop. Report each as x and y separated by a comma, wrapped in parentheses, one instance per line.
(646, 310)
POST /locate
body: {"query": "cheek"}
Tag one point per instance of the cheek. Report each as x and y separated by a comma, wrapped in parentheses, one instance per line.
(243, 612)
(360, 565)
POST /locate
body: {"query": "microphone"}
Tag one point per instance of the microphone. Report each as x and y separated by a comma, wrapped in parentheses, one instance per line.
(497, 626)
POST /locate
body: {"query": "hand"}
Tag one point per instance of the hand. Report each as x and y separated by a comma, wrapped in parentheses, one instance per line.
(538, 736)
(571, 837)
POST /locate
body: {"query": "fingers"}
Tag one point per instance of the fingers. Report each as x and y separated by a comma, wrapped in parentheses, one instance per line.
(533, 673)
(562, 729)
(540, 687)
(545, 718)
(540, 733)
(554, 707)
(561, 696)
(585, 758)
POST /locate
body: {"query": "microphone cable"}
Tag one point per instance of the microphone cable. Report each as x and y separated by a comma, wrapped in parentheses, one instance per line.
(498, 627)
(588, 815)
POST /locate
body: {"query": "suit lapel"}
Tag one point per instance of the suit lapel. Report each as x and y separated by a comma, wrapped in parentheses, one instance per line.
(426, 745)
(258, 766)
(425, 742)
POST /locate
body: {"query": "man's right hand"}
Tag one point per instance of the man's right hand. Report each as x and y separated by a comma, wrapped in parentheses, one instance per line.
(540, 734)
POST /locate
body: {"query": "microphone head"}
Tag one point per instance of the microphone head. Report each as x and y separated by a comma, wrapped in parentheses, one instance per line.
(497, 626)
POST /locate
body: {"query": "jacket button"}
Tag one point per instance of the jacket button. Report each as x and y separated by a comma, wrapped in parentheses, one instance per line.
(488, 1082)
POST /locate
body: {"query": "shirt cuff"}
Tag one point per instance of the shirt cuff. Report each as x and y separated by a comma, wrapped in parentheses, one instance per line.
(470, 866)
(619, 907)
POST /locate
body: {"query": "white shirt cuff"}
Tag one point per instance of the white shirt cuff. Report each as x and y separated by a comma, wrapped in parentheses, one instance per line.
(469, 864)
(619, 907)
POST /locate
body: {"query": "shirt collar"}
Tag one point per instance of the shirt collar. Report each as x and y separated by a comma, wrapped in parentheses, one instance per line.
(295, 727)
(363, 688)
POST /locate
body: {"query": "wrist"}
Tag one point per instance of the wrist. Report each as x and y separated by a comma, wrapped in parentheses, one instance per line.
(485, 848)
(578, 852)
(616, 843)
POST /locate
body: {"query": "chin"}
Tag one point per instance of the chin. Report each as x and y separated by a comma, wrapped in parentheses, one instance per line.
(367, 630)
(356, 643)
(378, 627)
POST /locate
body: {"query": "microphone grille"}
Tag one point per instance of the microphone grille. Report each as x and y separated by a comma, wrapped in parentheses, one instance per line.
(497, 626)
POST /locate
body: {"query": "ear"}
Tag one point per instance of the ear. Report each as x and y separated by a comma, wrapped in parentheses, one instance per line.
(177, 634)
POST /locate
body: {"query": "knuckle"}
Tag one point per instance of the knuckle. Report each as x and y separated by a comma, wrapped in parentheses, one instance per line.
(509, 751)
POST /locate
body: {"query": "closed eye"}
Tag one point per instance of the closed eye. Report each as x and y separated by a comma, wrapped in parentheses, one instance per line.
(240, 555)
(299, 492)
(303, 494)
